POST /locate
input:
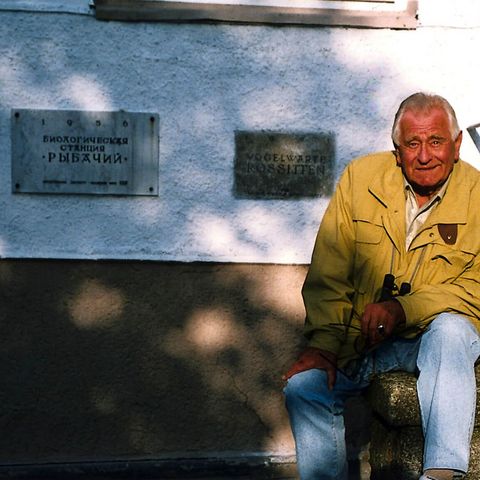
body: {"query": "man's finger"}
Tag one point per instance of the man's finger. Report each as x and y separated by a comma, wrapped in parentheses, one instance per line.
(331, 377)
(296, 368)
(365, 322)
(381, 330)
(314, 358)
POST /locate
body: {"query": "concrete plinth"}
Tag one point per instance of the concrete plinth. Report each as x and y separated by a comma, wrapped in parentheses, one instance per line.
(396, 448)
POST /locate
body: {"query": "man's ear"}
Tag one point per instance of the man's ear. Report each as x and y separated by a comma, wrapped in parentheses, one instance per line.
(397, 154)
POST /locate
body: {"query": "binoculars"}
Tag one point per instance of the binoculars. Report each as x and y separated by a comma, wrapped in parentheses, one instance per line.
(390, 290)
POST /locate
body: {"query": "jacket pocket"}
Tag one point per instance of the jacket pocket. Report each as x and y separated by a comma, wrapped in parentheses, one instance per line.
(366, 232)
(448, 264)
(370, 256)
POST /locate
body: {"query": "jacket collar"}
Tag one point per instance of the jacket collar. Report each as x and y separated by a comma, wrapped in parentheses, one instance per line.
(454, 206)
(386, 189)
(386, 186)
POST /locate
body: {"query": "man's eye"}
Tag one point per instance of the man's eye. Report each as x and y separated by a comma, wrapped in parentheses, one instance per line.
(413, 144)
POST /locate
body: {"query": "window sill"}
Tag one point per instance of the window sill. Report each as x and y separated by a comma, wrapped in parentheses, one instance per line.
(179, 11)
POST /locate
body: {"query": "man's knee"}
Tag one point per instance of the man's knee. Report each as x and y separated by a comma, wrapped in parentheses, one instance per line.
(306, 381)
(450, 337)
(452, 328)
(310, 386)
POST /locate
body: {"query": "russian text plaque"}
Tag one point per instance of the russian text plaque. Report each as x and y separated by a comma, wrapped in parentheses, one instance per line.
(283, 165)
(85, 152)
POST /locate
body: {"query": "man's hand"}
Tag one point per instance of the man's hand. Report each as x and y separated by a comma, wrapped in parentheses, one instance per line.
(380, 319)
(313, 357)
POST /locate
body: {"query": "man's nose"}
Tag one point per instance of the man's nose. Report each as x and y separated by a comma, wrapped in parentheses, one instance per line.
(424, 155)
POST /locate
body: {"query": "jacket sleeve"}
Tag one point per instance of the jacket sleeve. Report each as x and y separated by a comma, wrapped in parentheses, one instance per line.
(460, 295)
(328, 287)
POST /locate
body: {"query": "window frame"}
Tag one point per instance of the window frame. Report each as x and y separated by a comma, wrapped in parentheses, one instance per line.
(266, 12)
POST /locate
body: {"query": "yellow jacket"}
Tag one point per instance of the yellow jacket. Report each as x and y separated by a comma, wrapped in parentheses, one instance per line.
(362, 237)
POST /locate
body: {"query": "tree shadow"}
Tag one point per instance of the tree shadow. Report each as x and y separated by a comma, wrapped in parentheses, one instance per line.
(190, 361)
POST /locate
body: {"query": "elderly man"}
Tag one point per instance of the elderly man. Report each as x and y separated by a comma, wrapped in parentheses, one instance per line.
(394, 284)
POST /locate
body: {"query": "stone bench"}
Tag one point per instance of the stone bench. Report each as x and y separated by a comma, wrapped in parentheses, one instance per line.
(396, 446)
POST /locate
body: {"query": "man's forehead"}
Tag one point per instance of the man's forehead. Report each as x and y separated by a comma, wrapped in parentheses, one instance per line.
(434, 121)
(411, 135)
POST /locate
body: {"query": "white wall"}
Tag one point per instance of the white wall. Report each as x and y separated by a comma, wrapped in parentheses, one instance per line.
(206, 81)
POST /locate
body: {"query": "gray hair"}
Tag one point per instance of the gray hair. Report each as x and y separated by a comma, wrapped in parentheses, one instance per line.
(425, 102)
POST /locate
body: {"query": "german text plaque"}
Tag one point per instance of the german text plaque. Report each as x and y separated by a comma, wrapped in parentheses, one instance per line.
(283, 165)
(85, 152)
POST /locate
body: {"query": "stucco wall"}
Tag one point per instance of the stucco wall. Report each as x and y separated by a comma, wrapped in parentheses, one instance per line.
(206, 81)
(129, 360)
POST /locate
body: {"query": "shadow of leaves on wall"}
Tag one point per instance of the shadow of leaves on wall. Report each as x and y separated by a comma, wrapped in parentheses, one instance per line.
(122, 359)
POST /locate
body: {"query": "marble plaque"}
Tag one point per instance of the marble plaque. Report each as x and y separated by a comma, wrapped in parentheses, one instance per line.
(283, 165)
(84, 152)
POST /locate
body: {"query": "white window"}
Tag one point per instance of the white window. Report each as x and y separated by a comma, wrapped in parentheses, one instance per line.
(360, 13)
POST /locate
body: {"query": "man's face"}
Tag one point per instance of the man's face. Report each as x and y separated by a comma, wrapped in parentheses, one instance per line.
(426, 151)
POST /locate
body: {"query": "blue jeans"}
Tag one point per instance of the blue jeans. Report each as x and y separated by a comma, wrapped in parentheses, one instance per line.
(444, 355)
